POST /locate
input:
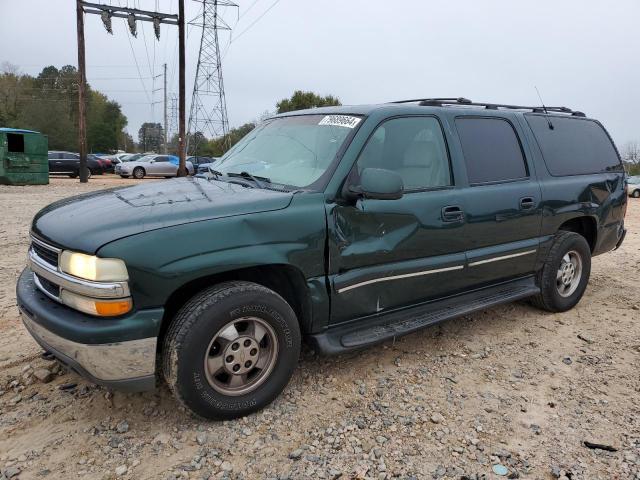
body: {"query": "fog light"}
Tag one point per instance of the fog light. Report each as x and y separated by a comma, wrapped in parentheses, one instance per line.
(93, 306)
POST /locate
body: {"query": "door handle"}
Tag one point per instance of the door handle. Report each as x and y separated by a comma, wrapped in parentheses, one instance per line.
(452, 213)
(527, 203)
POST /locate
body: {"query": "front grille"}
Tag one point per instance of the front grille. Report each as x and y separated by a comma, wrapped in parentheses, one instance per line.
(48, 286)
(49, 256)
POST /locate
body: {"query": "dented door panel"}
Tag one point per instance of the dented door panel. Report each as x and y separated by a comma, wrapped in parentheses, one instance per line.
(387, 254)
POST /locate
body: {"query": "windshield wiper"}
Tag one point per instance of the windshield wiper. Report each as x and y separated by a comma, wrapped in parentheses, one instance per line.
(257, 180)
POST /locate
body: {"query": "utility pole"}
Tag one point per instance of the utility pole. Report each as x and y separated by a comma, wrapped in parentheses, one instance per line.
(132, 15)
(166, 118)
(209, 117)
(182, 166)
(82, 114)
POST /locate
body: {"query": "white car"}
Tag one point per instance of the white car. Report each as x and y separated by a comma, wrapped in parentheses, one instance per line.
(633, 186)
(151, 166)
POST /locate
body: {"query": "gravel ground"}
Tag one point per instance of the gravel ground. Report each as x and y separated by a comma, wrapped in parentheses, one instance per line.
(508, 390)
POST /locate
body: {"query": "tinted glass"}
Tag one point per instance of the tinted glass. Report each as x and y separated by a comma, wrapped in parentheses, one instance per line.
(53, 155)
(575, 146)
(162, 158)
(413, 147)
(491, 150)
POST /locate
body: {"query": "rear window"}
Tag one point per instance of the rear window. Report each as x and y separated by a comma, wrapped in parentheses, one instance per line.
(492, 151)
(575, 146)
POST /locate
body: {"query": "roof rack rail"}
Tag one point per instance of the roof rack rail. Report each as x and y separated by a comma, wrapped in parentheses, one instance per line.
(440, 102)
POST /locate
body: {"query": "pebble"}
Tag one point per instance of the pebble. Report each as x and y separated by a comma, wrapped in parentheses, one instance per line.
(122, 427)
(296, 454)
(437, 418)
(121, 470)
(43, 375)
(11, 472)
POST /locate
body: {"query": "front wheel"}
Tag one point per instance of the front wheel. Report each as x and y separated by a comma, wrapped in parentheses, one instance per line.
(138, 173)
(565, 274)
(231, 350)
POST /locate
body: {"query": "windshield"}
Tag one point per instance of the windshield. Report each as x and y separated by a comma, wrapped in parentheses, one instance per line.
(294, 151)
(633, 180)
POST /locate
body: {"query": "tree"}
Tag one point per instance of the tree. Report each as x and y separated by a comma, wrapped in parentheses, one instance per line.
(150, 137)
(219, 146)
(48, 103)
(301, 100)
(631, 152)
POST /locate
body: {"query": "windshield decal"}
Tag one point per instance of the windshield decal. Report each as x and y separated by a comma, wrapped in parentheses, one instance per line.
(340, 121)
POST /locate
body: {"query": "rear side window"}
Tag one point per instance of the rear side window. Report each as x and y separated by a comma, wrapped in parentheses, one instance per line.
(575, 146)
(492, 151)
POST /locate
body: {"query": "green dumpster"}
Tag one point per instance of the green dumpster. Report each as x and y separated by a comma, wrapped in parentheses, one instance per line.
(23, 157)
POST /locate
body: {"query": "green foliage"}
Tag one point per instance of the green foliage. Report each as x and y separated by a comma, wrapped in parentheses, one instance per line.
(48, 103)
(301, 100)
(150, 137)
(199, 145)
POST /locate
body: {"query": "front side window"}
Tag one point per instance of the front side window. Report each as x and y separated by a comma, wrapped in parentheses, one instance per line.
(491, 149)
(294, 151)
(414, 148)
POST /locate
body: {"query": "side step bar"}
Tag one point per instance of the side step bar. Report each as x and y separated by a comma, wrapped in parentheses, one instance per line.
(386, 326)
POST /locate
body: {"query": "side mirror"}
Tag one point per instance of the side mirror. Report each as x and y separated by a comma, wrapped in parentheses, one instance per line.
(152, 161)
(378, 184)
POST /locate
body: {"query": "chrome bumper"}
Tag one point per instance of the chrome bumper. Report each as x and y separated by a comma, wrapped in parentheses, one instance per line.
(107, 363)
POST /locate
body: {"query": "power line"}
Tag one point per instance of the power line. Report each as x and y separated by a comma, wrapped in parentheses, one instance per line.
(255, 21)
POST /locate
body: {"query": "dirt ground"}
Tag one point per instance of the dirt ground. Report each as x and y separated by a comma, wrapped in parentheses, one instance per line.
(511, 386)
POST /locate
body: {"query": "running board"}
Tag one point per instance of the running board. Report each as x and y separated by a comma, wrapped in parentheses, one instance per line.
(378, 328)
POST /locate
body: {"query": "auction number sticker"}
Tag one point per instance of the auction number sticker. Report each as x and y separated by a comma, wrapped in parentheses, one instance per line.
(340, 121)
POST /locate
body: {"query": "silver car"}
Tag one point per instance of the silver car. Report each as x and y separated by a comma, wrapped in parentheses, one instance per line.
(633, 186)
(151, 166)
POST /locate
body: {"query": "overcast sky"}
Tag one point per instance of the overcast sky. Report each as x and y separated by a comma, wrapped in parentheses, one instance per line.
(584, 54)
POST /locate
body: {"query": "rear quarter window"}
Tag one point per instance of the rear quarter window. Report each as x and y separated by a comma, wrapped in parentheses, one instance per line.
(575, 146)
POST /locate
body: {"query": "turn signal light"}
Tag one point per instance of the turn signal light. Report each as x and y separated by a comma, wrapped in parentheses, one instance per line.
(112, 309)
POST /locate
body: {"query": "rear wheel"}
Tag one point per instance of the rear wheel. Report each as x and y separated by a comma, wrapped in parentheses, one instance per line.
(138, 173)
(636, 194)
(231, 350)
(565, 274)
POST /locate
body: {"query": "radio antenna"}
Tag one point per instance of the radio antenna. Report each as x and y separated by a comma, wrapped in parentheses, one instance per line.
(546, 113)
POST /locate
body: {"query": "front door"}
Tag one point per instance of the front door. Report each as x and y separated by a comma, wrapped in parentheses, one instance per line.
(502, 202)
(387, 254)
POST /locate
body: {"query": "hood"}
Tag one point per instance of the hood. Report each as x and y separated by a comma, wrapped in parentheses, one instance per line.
(84, 223)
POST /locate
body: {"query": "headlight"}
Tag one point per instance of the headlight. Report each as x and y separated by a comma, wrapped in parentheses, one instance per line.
(93, 268)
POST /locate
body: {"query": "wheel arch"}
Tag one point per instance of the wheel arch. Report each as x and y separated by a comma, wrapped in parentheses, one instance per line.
(585, 225)
(286, 280)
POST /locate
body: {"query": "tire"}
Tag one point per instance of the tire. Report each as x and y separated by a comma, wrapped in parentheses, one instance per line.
(555, 294)
(195, 335)
(138, 173)
(636, 194)
(74, 175)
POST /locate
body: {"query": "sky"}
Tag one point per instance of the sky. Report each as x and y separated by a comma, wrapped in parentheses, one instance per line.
(583, 54)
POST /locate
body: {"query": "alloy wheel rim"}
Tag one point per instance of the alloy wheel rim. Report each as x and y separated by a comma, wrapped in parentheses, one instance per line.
(241, 356)
(569, 273)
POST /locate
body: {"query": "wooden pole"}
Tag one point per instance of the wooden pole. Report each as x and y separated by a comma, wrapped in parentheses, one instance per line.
(82, 114)
(182, 168)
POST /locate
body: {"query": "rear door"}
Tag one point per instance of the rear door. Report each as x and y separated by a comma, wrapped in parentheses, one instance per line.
(55, 162)
(502, 202)
(162, 166)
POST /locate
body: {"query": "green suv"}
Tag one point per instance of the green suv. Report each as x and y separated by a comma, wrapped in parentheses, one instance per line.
(341, 226)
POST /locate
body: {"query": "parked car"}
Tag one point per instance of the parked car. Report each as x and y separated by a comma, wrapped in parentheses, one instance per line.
(152, 166)
(633, 186)
(343, 226)
(107, 162)
(204, 167)
(199, 160)
(68, 163)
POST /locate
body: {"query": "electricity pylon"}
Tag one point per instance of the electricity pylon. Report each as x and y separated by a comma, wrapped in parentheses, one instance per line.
(208, 105)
